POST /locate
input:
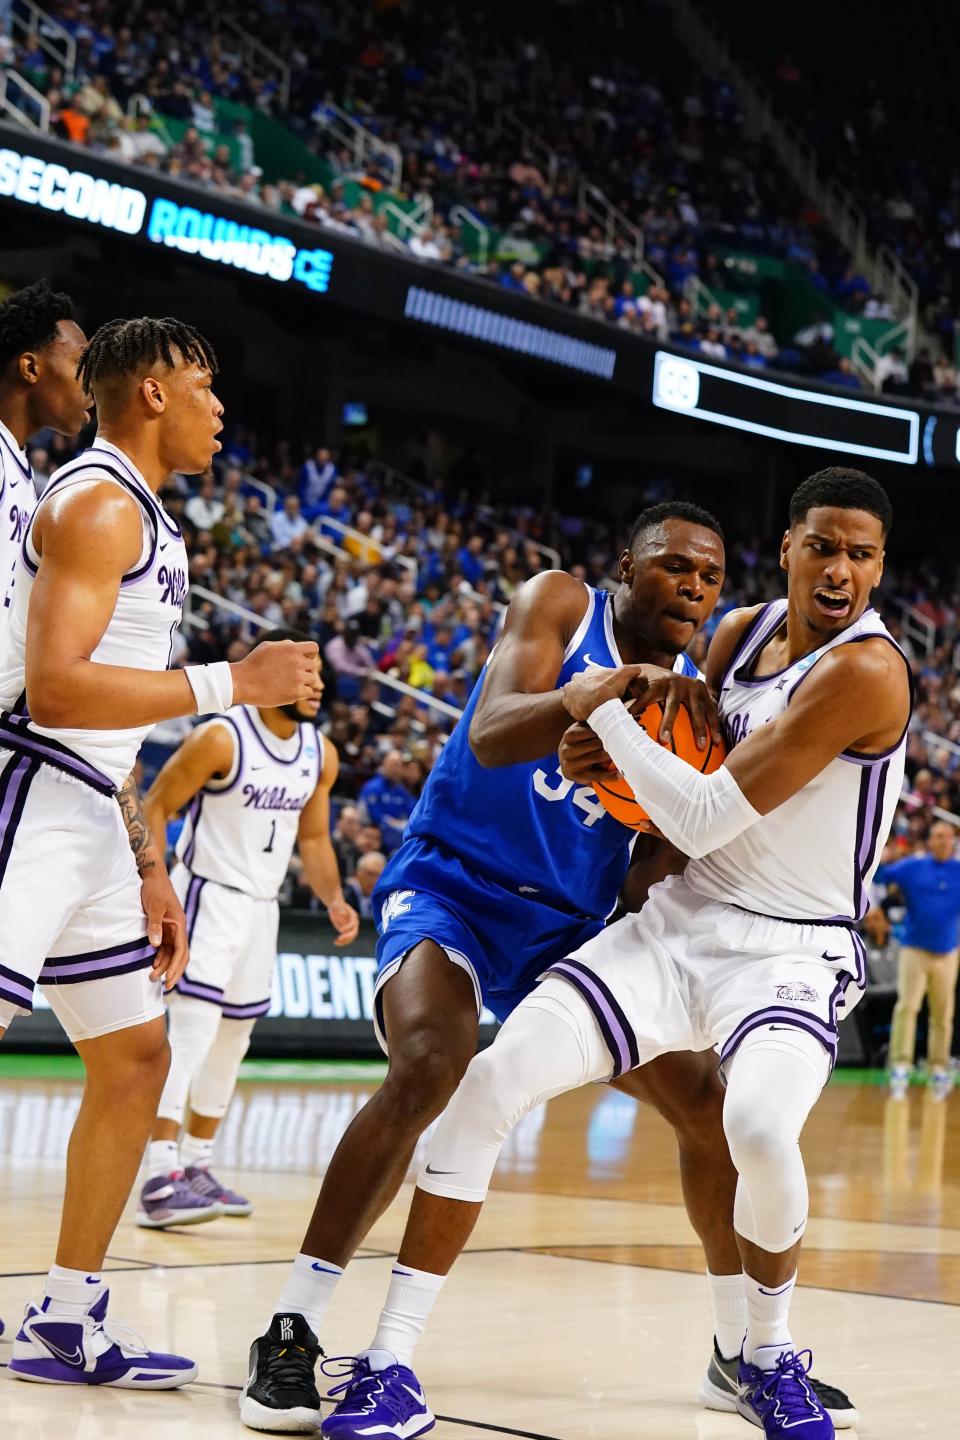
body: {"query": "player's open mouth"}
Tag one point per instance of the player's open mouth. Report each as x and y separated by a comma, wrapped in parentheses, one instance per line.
(836, 603)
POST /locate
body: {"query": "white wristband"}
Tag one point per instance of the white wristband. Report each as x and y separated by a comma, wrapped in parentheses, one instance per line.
(212, 686)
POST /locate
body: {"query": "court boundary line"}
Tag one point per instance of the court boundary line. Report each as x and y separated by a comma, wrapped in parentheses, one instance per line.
(541, 1252)
(447, 1419)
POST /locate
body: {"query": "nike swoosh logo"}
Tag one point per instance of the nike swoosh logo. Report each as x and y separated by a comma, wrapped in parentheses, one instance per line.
(418, 1395)
(324, 1268)
(782, 1027)
(832, 958)
(257, 767)
(431, 1171)
(93, 1279)
(799, 1227)
(166, 546)
(76, 1359)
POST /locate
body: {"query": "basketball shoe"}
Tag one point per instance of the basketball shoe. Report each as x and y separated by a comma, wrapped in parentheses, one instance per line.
(941, 1083)
(781, 1400)
(383, 1401)
(58, 1349)
(172, 1200)
(203, 1182)
(281, 1390)
(720, 1388)
(899, 1081)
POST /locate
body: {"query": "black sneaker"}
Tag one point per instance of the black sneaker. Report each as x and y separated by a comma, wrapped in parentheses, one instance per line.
(719, 1390)
(281, 1392)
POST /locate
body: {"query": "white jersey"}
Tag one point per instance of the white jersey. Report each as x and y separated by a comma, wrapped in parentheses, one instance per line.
(139, 634)
(240, 831)
(18, 500)
(812, 858)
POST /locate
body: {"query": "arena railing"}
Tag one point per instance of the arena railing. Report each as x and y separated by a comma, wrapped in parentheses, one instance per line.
(369, 543)
(257, 56)
(220, 602)
(362, 143)
(14, 91)
(421, 697)
(709, 45)
(30, 22)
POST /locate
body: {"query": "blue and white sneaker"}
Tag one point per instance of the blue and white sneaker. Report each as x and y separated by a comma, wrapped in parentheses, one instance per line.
(59, 1350)
(380, 1398)
(781, 1400)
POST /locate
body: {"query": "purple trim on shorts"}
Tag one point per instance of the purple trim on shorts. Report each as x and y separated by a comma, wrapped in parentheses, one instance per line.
(780, 1015)
(192, 907)
(860, 954)
(196, 991)
(245, 712)
(245, 1012)
(98, 964)
(16, 988)
(614, 1025)
(15, 781)
(15, 734)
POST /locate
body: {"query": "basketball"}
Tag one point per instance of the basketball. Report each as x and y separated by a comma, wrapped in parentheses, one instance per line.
(615, 794)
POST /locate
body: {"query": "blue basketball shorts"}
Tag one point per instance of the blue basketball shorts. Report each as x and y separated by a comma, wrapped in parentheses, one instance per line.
(503, 941)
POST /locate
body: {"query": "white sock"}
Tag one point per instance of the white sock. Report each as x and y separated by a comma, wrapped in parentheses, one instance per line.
(72, 1292)
(194, 1151)
(729, 1301)
(308, 1290)
(768, 1323)
(410, 1299)
(163, 1157)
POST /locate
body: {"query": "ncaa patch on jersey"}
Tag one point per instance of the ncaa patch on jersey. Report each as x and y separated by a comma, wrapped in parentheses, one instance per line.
(796, 991)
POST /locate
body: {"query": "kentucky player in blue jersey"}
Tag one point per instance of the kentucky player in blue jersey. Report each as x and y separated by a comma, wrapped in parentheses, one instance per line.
(506, 865)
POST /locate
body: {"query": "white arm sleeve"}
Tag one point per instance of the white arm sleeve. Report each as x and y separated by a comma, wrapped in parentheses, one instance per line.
(697, 813)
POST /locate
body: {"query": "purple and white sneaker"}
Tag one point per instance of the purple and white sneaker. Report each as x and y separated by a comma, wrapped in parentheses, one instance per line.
(204, 1182)
(171, 1200)
(60, 1350)
(387, 1400)
(781, 1399)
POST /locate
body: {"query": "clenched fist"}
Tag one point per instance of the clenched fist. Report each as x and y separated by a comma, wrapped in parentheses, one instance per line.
(278, 672)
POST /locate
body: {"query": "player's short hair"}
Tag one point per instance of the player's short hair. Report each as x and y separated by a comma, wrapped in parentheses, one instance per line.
(124, 347)
(280, 634)
(29, 320)
(844, 488)
(655, 515)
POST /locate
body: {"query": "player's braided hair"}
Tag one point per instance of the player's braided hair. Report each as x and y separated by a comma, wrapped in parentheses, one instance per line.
(123, 347)
(29, 319)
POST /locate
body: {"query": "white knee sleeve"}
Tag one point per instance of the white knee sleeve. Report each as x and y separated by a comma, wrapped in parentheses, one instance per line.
(216, 1081)
(773, 1082)
(193, 1026)
(551, 1043)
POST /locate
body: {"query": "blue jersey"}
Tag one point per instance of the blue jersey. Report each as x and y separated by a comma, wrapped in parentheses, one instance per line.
(524, 826)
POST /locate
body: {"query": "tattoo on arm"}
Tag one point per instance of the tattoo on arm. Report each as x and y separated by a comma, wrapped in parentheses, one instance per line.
(138, 832)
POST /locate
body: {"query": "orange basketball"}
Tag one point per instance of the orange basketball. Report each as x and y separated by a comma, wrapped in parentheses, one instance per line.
(615, 794)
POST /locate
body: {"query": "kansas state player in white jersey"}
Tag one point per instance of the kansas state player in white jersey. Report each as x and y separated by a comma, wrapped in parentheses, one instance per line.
(257, 783)
(752, 952)
(505, 866)
(99, 587)
(40, 344)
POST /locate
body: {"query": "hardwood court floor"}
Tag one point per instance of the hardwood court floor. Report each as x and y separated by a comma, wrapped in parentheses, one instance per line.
(580, 1310)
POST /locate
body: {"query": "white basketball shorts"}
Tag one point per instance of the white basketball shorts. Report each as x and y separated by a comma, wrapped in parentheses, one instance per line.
(688, 973)
(70, 912)
(233, 946)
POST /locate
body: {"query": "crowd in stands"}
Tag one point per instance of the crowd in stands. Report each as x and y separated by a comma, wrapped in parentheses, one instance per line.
(413, 592)
(619, 105)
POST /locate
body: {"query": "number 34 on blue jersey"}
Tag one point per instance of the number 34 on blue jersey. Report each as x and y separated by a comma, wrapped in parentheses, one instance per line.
(557, 787)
